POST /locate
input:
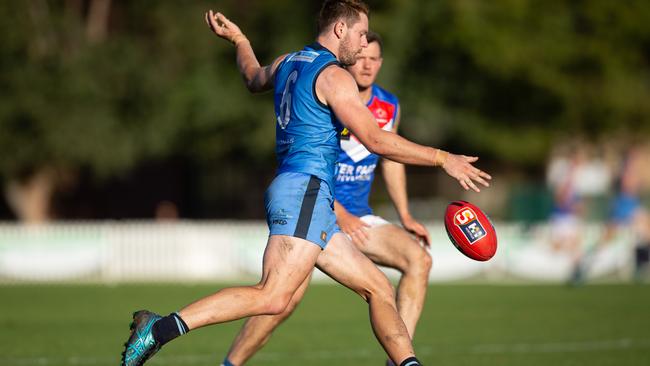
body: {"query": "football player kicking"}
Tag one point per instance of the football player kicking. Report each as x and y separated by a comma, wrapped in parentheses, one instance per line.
(313, 96)
(386, 244)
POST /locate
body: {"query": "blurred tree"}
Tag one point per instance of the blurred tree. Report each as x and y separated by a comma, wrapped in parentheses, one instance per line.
(104, 85)
(74, 100)
(507, 77)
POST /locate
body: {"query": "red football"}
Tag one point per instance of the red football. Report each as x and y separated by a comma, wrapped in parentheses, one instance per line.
(470, 230)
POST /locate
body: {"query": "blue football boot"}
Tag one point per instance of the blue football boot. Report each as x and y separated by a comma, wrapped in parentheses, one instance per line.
(141, 344)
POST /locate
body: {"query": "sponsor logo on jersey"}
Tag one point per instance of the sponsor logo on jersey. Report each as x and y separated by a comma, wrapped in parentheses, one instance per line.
(280, 217)
(468, 223)
(303, 56)
(352, 173)
(286, 142)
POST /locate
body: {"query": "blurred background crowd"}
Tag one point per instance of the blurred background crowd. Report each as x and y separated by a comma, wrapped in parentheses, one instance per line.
(115, 109)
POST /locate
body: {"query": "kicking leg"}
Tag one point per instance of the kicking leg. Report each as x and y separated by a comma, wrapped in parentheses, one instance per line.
(342, 261)
(257, 330)
(288, 261)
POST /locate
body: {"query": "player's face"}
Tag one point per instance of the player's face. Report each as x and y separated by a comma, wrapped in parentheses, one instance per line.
(354, 41)
(367, 67)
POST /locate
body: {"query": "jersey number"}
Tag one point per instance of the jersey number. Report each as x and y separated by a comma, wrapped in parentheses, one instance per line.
(285, 105)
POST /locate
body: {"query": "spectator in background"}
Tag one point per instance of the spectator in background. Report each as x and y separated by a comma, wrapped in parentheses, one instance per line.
(566, 219)
(627, 211)
(575, 176)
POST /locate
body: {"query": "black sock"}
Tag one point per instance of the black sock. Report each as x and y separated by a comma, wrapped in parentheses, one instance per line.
(168, 328)
(411, 361)
(641, 259)
(642, 254)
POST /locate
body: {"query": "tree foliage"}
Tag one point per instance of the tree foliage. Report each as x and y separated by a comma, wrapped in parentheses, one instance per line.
(502, 78)
(508, 77)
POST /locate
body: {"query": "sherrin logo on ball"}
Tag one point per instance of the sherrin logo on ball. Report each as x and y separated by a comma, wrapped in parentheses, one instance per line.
(466, 220)
(470, 230)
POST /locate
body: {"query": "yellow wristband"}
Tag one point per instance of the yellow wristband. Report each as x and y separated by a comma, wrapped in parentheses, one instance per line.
(441, 157)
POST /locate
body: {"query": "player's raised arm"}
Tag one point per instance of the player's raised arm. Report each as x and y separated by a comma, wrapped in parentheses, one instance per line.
(338, 90)
(257, 78)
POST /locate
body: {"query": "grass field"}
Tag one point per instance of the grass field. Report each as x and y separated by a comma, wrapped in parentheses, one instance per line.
(461, 325)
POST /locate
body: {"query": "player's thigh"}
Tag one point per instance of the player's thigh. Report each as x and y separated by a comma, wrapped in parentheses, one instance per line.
(390, 245)
(344, 262)
(287, 264)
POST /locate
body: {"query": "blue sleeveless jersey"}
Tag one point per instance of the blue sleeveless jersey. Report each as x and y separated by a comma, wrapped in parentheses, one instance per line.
(307, 133)
(356, 168)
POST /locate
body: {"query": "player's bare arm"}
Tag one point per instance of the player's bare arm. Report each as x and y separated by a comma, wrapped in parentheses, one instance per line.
(257, 78)
(395, 177)
(337, 89)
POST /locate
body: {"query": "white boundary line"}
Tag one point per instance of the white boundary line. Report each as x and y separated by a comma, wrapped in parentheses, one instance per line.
(214, 359)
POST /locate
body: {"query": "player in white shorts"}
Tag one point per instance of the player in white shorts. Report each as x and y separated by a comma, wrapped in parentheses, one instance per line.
(400, 247)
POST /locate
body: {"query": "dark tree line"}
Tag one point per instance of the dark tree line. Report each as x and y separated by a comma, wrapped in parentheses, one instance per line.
(104, 85)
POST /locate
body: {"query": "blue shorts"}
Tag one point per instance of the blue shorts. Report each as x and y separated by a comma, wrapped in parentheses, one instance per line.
(302, 206)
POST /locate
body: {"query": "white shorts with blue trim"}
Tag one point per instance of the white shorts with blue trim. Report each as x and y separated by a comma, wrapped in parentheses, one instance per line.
(374, 220)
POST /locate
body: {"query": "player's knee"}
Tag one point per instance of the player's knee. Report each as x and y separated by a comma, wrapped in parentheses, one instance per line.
(421, 260)
(276, 307)
(425, 262)
(290, 307)
(278, 304)
(380, 287)
(418, 262)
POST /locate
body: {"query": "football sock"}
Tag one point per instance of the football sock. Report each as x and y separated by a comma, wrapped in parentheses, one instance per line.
(227, 362)
(411, 361)
(168, 328)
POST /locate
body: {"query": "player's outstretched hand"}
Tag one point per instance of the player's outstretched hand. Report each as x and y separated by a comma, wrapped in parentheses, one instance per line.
(414, 227)
(223, 27)
(351, 225)
(460, 167)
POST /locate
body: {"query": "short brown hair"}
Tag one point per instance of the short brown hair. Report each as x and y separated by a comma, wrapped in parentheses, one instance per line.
(333, 10)
(375, 37)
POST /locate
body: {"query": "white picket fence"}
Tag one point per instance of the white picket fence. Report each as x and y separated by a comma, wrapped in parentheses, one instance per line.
(194, 251)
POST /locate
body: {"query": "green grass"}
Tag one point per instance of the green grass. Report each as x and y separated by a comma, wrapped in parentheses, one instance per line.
(461, 325)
